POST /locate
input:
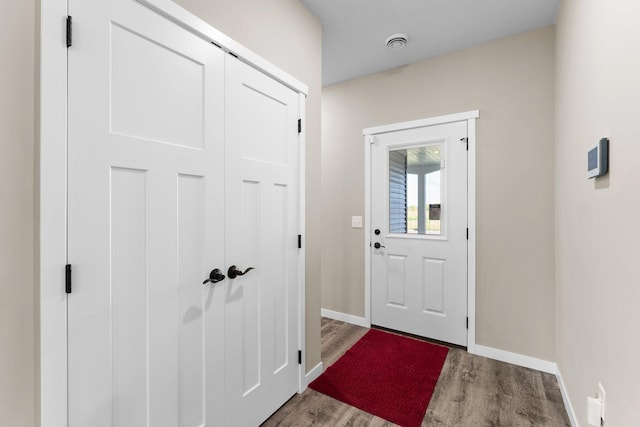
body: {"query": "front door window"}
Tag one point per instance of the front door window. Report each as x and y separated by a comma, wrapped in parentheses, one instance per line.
(415, 190)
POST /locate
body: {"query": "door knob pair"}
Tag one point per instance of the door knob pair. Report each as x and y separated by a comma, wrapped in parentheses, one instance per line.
(216, 274)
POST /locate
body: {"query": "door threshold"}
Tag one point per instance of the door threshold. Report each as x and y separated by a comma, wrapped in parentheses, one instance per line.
(419, 337)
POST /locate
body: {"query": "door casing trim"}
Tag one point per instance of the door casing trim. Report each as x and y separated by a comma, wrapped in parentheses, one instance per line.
(369, 137)
(52, 192)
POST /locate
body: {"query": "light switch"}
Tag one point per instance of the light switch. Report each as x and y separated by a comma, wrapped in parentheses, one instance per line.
(356, 222)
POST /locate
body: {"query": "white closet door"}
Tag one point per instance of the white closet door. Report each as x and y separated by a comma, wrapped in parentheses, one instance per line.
(146, 225)
(262, 194)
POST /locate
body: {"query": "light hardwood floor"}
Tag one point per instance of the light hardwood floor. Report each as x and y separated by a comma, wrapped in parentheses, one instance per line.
(472, 391)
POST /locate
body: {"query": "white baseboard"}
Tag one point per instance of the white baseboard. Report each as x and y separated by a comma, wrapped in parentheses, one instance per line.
(313, 374)
(517, 359)
(567, 402)
(349, 318)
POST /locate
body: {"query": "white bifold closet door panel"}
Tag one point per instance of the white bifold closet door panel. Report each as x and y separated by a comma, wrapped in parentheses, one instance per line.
(262, 199)
(146, 220)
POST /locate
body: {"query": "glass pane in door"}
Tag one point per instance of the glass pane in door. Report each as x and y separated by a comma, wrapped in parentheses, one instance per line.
(415, 190)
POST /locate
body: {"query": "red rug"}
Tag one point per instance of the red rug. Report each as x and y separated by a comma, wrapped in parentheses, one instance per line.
(386, 375)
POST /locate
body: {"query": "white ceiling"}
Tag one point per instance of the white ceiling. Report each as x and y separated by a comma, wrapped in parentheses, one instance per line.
(354, 31)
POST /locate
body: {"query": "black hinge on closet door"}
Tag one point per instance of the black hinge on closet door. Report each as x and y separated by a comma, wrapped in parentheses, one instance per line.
(299, 241)
(69, 33)
(299, 357)
(67, 278)
(299, 125)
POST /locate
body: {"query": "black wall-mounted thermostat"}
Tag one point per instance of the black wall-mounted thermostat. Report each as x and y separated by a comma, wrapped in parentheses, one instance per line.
(598, 159)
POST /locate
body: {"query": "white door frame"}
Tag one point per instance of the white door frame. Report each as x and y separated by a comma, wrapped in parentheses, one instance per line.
(53, 190)
(369, 138)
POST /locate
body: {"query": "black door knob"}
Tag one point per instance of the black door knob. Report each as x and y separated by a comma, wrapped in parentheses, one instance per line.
(377, 245)
(376, 232)
(233, 272)
(215, 276)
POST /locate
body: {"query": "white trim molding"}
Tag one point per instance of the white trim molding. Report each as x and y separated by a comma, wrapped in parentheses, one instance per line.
(565, 398)
(470, 118)
(53, 214)
(302, 283)
(471, 221)
(517, 359)
(172, 11)
(431, 121)
(343, 317)
(313, 374)
(368, 141)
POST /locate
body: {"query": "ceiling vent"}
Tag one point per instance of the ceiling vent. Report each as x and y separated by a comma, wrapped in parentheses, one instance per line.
(396, 41)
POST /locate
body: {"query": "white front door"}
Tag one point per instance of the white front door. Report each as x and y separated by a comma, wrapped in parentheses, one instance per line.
(262, 194)
(419, 231)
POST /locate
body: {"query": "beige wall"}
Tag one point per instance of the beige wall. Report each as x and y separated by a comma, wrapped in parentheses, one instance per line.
(289, 36)
(597, 240)
(17, 259)
(511, 82)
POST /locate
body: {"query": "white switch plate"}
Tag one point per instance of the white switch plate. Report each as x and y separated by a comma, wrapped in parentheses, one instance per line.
(594, 411)
(356, 222)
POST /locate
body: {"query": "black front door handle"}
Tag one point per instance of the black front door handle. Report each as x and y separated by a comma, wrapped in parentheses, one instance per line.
(377, 245)
(233, 272)
(215, 276)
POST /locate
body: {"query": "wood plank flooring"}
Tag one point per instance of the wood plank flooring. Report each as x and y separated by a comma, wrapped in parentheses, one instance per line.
(472, 391)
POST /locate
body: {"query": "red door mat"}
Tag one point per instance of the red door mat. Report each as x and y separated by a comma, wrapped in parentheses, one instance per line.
(387, 375)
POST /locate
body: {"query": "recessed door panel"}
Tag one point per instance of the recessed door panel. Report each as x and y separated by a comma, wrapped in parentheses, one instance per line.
(248, 288)
(433, 285)
(266, 139)
(396, 280)
(281, 239)
(157, 92)
(191, 208)
(128, 286)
